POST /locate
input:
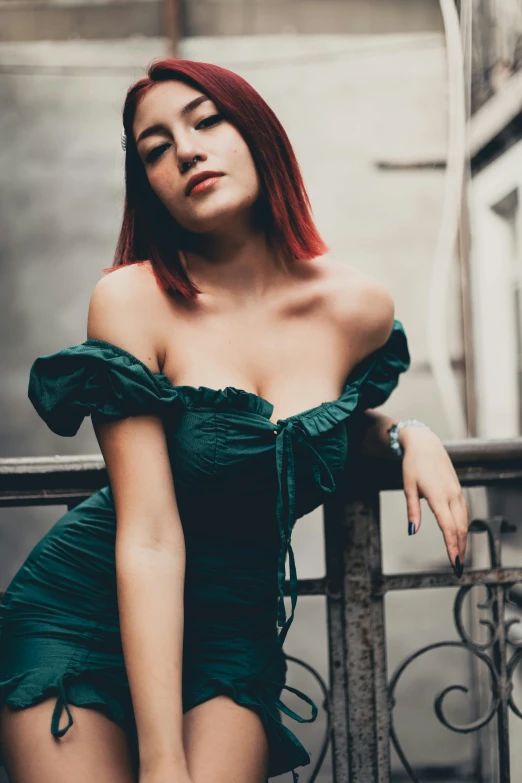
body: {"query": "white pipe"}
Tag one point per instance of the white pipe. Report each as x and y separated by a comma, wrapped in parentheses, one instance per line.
(444, 255)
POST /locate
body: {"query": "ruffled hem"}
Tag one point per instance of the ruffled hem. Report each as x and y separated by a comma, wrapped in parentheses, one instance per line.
(286, 751)
(93, 688)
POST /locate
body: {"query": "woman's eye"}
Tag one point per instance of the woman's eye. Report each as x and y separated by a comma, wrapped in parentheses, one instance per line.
(212, 120)
(206, 123)
(154, 154)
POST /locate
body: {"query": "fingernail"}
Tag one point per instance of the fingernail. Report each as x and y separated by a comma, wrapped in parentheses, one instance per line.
(411, 528)
(458, 567)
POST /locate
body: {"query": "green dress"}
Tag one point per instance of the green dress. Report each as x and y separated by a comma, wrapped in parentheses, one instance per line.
(241, 481)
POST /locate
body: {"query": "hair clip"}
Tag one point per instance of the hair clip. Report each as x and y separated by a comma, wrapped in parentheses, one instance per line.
(123, 140)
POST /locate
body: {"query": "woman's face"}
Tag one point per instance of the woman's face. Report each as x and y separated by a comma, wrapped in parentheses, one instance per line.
(169, 133)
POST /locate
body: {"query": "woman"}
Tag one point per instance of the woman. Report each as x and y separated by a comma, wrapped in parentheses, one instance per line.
(210, 351)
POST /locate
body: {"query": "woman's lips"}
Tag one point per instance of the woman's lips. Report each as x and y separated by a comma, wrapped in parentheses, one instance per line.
(204, 184)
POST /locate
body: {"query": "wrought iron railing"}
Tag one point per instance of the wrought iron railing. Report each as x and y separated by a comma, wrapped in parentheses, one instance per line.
(359, 698)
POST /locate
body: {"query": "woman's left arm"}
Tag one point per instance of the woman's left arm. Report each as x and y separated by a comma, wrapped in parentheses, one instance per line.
(428, 473)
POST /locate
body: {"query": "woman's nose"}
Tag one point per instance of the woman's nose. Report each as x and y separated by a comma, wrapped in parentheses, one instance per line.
(188, 156)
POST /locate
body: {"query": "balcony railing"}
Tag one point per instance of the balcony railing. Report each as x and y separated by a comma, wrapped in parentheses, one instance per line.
(359, 698)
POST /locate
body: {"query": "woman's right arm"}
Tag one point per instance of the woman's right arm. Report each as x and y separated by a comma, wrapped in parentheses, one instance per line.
(150, 549)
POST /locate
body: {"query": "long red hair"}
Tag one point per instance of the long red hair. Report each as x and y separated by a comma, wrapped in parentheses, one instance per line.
(148, 229)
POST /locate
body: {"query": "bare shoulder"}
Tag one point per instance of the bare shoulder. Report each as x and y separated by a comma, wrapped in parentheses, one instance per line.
(121, 312)
(363, 306)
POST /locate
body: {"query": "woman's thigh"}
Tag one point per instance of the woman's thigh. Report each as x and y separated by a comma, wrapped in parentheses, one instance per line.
(225, 743)
(93, 749)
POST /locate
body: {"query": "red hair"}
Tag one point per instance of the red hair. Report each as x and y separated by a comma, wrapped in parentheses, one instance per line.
(148, 229)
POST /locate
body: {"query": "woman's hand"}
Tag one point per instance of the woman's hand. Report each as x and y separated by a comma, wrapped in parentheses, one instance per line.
(428, 472)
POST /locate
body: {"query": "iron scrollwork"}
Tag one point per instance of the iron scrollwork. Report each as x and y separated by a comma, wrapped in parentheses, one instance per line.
(492, 652)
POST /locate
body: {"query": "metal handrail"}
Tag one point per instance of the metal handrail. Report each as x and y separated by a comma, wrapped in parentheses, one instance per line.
(44, 480)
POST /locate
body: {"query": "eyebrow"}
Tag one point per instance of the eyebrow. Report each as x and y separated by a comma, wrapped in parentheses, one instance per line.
(193, 104)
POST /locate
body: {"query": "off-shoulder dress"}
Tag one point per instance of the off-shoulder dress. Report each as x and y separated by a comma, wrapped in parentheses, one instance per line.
(241, 482)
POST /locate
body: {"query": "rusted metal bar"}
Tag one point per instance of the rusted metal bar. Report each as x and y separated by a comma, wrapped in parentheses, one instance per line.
(429, 579)
(335, 602)
(500, 660)
(364, 643)
(57, 480)
(378, 643)
(35, 480)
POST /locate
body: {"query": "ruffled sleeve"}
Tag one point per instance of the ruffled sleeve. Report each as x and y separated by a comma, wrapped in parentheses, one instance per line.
(378, 374)
(369, 385)
(376, 378)
(96, 379)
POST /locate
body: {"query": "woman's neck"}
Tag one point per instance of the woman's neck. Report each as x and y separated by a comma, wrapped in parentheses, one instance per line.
(236, 267)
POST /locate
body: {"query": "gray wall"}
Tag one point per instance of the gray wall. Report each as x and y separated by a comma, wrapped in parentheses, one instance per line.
(34, 20)
(261, 17)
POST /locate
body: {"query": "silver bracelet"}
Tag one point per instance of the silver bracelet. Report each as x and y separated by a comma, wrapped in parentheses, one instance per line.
(393, 434)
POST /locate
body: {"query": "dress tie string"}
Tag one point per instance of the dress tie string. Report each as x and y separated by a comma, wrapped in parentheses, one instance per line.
(61, 701)
(285, 508)
(285, 513)
(280, 705)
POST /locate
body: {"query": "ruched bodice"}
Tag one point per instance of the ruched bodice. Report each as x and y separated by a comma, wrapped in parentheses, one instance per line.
(239, 477)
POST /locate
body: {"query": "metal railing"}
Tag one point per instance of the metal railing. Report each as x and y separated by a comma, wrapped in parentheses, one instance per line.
(360, 697)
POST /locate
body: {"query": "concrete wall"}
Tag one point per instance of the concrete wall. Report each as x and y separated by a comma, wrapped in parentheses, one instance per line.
(346, 102)
(262, 17)
(23, 20)
(33, 20)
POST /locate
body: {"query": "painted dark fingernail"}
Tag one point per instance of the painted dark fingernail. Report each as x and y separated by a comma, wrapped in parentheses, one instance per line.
(458, 567)
(411, 528)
